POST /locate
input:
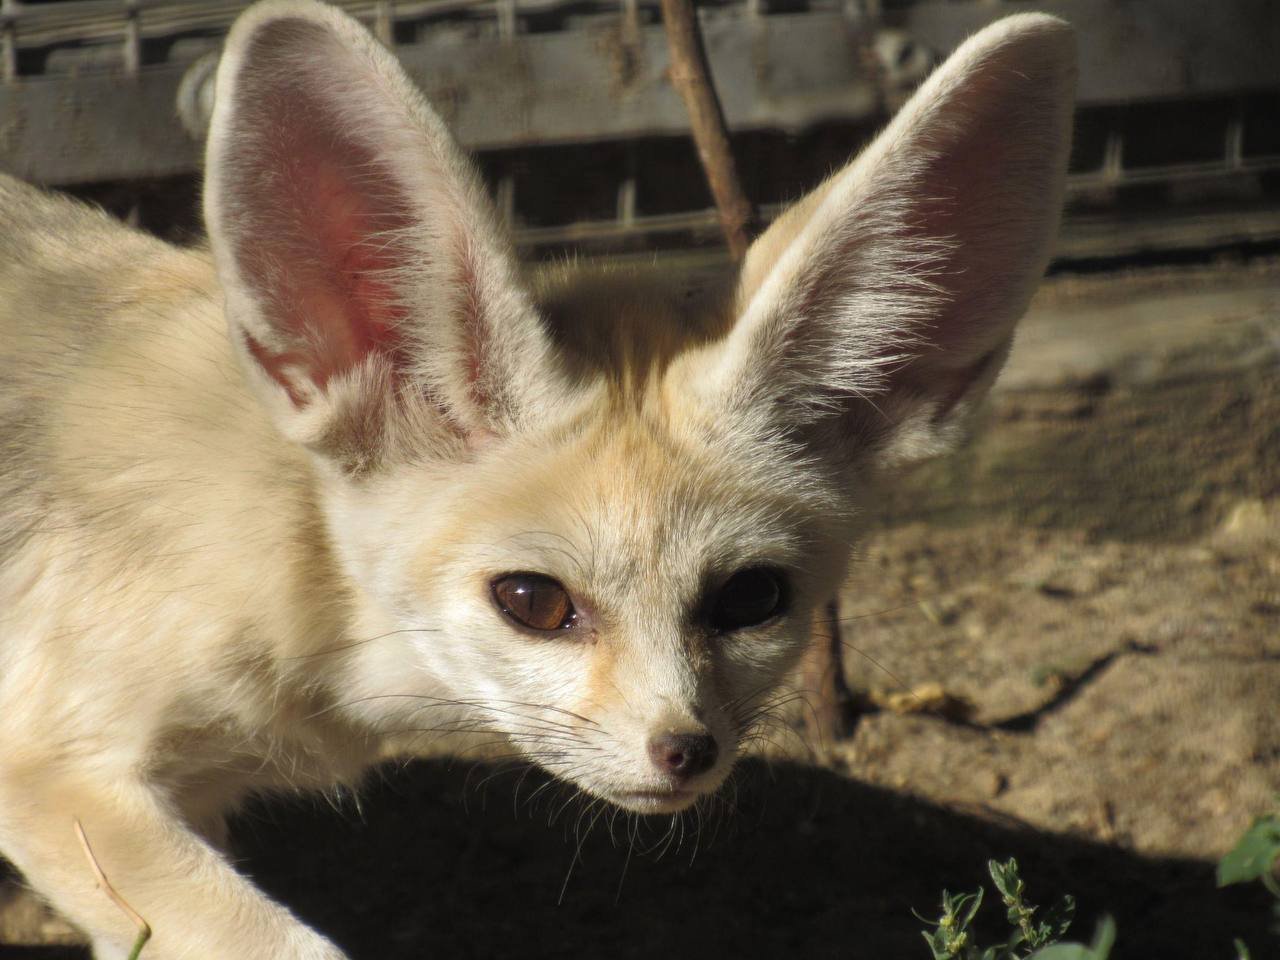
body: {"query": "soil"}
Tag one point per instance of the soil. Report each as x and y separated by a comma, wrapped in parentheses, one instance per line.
(1096, 578)
(1065, 645)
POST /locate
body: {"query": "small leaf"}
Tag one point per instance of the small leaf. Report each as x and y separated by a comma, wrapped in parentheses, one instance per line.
(1059, 917)
(1100, 949)
(949, 907)
(1242, 952)
(1005, 877)
(1104, 938)
(1253, 856)
(1065, 951)
(973, 909)
(937, 941)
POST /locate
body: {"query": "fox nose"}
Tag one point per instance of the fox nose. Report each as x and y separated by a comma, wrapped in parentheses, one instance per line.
(683, 754)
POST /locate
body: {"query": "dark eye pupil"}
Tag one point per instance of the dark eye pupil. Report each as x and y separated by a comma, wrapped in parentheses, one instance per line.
(747, 598)
(533, 600)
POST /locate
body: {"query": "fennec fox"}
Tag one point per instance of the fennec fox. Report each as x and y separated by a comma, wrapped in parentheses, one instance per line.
(415, 489)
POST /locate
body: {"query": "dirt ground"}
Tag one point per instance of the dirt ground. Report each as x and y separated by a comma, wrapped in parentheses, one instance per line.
(1097, 577)
(1093, 584)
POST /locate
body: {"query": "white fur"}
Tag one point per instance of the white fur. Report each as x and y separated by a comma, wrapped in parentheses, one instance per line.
(867, 300)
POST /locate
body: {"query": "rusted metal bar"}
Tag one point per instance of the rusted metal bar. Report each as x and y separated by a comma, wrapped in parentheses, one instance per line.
(779, 72)
(507, 19)
(1083, 236)
(691, 76)
(533, 89)
(8, 40)
(384, 22)
(132, 39)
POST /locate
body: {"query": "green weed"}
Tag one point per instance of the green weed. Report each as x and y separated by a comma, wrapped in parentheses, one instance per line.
(1033, 937)
(1255, 857)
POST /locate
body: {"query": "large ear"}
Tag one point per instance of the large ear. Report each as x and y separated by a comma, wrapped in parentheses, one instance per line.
(878, 310)
(369, 288)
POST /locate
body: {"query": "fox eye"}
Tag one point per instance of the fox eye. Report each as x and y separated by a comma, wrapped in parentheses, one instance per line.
(749, 597)
(535, 601)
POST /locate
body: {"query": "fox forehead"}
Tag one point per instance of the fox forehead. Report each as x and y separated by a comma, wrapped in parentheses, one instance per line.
(628, 323)
(637, 490)
(624, 489)
(638, 470)
(625, 496)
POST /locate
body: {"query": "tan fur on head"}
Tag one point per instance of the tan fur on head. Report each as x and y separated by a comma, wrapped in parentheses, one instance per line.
(255, 500)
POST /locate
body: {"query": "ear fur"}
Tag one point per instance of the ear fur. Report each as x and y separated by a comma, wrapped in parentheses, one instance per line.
(369, 289)
(878, 310)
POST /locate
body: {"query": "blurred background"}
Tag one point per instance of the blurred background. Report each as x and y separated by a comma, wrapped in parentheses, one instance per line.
(585, 145)
(1062, 642)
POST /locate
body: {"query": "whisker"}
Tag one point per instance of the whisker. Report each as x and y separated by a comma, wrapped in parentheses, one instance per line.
(577, 854)
(626, 863)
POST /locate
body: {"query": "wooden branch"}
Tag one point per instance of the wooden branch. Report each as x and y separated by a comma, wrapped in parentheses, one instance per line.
(829, 717)
(822, 673)
(691, 77)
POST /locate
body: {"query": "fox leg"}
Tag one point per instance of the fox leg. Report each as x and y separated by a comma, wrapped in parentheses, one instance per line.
(194, 902)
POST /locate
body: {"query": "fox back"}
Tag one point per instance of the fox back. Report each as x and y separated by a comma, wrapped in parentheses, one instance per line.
(351, 478)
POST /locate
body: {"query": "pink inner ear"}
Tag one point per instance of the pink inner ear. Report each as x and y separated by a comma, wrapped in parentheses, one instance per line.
(991, 192)
(322, 233)
(355, 310)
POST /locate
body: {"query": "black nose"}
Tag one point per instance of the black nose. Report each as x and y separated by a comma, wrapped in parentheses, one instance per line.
(684, 754)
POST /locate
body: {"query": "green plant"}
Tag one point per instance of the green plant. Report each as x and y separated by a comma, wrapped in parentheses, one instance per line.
(1255, 857)
(951, 937)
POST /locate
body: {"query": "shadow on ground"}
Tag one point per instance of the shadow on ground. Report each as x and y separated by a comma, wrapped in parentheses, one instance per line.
(809, 865)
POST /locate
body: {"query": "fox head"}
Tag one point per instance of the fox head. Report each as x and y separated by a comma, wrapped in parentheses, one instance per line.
(598, 508)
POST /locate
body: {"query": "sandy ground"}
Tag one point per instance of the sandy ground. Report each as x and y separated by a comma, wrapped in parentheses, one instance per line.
(1097, 576)
(1094, 582)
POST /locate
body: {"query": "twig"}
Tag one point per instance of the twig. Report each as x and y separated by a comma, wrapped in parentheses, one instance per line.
(823, 670)
(690, 76)
(822, 675)
(144, 929)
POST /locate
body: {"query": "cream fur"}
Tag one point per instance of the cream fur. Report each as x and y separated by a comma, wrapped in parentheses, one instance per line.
(252, 498)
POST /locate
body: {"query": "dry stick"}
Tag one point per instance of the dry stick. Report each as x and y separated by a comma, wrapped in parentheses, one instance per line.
(144, 929)
(822, 672)
(692, 79)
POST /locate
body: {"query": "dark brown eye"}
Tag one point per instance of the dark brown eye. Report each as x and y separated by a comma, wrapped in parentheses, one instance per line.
(534, 601)
(747, 598)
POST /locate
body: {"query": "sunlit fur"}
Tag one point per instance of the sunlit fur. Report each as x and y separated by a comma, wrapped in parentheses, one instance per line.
(246, 547)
